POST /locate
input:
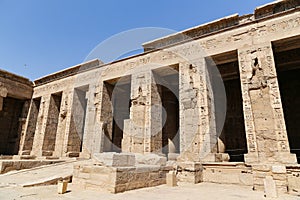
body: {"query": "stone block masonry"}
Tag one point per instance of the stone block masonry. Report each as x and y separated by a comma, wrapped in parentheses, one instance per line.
(139, 117)
(119, 179)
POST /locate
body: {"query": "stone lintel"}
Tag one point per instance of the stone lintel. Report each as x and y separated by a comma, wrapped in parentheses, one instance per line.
(194, 32)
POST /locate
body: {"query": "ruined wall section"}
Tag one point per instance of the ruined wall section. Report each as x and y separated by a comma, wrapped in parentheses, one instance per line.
(15, 94)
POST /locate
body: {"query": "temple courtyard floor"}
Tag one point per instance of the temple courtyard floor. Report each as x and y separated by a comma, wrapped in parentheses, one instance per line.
(203, 191)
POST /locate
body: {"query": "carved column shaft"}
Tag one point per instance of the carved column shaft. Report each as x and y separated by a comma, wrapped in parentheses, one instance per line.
(87, 143)
(264, 121)
(41, 126)
(61, 129)
(195, 127)
(98, 136)
(67, 112)
(3, 94)
(137, 132)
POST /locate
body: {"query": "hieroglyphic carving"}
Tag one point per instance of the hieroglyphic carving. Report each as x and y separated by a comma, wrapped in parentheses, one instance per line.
(246, 74)
(258, 72)
(284, 25)
(64, 107)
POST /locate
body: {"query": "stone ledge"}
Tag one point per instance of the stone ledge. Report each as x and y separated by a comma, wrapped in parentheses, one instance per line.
(194, 32)
(275, 7)
(13, 165)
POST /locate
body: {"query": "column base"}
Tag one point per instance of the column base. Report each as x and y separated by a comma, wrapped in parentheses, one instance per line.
(47, 153)
(277, 158)
(25, 153)
(72, 154)
(286, 158)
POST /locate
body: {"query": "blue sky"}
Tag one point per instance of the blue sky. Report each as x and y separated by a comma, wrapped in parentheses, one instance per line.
(39, 37)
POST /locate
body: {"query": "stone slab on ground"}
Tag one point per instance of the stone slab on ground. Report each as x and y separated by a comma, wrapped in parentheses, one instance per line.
(43, 175)
(12, 165)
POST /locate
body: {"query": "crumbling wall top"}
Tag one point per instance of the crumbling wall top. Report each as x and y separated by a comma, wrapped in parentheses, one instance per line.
(222, 24)
(69, 72)
(275, 7)
(13, 77)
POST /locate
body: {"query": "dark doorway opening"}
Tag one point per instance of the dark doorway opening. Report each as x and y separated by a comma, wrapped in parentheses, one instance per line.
(79, 110)
(9, 125)
(232, 139)
(52, 124)
(115, 109)
(167, 84)
(287, 60)
(31, 126)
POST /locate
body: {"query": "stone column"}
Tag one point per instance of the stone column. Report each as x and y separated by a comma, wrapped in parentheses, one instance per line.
(41, 126)
(88, 136)
(70, 128)
(22, 126)
(196, 130)
(104, 120)
(3, 94)
(63, 119)
(26, 143)
(155, 118)
(137, 129)
(264, 121)
(99, 132)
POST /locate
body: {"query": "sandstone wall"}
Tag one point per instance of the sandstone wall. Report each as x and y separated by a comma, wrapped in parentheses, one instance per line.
(251, 37)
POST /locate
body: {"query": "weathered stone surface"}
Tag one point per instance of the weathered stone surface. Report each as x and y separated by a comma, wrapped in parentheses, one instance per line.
(171, 179)
(164, 106)
(118, 179)
(141, 130)
(270, 187)
(12, 165)
(279, 169)
(227, 173)
(190, 172)
(150, 159)
(115, 159)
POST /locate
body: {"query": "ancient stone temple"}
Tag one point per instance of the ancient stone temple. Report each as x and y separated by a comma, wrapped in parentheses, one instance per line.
(214, 103)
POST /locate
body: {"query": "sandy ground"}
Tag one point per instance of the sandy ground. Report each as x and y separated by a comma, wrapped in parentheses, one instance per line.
(203, 191)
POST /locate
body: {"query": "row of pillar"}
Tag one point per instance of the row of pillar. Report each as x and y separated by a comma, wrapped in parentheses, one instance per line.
(266, 133)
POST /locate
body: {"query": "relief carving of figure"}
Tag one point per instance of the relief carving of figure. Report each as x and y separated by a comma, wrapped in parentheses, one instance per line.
(257, 79)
